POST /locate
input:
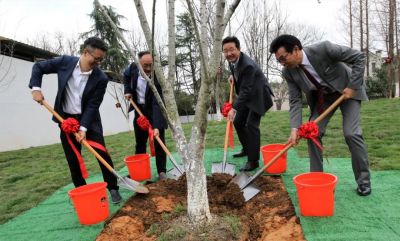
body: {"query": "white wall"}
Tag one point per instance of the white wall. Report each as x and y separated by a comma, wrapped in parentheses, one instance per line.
(24, 123)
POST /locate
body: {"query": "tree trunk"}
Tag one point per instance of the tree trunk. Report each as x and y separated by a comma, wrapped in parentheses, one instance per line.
(190, 152)
(391, 73)
(351, 23)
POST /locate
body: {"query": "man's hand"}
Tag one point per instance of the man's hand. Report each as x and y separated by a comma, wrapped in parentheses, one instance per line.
(156, 132)
(231, 114)
(37, 96)
(293, 138)
(80, 136)
(348, 93)
(128, 96)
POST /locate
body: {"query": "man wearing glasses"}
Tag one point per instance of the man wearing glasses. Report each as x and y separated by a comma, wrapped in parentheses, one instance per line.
(254, 99)
(81, 88)
(324, 71)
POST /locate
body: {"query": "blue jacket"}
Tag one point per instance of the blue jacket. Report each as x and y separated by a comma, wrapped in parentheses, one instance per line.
(92, 95)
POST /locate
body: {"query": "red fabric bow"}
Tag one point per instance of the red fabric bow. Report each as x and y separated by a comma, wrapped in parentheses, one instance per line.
(70, 126)
(310, 131)
(145, 125)
(226, 108)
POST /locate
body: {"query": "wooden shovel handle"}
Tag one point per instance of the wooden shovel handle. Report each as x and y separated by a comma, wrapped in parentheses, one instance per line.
(135, 107)
(84, 142)
(231, 92)
(330, 108)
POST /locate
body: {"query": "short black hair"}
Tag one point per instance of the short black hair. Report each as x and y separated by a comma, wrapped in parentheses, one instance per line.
(231, 39)
(285, 40)
(95, 43)
(141, 53)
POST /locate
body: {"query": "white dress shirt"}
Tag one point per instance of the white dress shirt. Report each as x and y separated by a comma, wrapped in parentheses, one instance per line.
(74, 88)
(141, 89)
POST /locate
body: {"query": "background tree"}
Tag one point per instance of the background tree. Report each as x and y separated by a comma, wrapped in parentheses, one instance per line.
(117, 57)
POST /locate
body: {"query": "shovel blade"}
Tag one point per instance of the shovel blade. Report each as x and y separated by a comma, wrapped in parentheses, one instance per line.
(250, 191)
(132, 185)
(174, 173)
(219, 168)
(241, 179)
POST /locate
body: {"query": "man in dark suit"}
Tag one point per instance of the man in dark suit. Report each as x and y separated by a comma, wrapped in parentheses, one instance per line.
(254, 99)
(324, 71)
(81, 88)
(136, 87)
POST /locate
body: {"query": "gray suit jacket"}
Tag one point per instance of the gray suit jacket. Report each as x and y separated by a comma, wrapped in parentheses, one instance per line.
(338, 66)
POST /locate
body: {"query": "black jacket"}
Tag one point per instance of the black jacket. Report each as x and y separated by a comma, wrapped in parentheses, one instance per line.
(152, 109)
(251, 87)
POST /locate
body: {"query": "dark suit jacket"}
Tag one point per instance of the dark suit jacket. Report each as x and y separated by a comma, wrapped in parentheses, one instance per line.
(251, 87)
(92, 95)
(338, 66)
(131, 75)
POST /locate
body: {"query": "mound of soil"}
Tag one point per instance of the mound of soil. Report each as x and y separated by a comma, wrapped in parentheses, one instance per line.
(269, 215)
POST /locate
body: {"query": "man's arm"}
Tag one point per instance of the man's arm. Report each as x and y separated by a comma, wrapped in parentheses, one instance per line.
(355, 58)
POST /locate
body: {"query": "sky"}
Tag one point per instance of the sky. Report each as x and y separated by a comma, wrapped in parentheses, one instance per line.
(24, 19)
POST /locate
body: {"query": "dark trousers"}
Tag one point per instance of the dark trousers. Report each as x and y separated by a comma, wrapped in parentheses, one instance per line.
(247, 125)
(141, 144)
(73, 162)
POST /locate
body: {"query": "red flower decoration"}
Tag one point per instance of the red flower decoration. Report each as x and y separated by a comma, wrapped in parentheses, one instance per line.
(143, 123)
(226, 108)
(310, 131)
(70, 125)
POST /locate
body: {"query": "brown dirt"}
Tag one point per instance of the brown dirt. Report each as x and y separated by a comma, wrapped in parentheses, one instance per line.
(267, 216)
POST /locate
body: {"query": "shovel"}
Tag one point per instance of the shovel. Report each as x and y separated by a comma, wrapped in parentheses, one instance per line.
(177, 171)
(225, 167)
(124, 182)
(245, 182)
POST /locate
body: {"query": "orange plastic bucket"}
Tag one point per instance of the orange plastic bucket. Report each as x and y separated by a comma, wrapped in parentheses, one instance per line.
(90, 202)
(315, 191)
(139, 167)
(268, 152)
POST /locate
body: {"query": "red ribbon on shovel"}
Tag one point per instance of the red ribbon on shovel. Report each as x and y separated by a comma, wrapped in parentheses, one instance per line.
(310, 131)
(224, 111)
(145, 125)
(71, 126)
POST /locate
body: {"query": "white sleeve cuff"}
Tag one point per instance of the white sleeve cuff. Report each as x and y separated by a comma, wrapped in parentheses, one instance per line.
(82, 128)
(36, 88)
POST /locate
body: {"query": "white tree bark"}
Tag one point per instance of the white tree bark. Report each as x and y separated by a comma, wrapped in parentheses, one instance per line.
(190, 152)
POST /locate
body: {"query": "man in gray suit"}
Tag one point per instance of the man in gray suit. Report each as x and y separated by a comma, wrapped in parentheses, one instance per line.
(254, 99)
(324, 71)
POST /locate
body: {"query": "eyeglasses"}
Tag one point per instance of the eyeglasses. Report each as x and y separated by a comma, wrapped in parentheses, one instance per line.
(282, 58)
(96, 59)
(225, 51)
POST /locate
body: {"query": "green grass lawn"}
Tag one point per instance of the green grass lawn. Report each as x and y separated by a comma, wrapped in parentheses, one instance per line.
(29, 176)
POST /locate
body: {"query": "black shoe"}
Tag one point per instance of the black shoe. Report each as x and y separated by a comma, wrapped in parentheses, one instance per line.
(242, 153)
(249, 166)
(162, 176)
(364, 189)
(115, 196)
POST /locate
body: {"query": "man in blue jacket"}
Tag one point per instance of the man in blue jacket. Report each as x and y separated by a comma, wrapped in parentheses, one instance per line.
(81, 88)
(136, 87)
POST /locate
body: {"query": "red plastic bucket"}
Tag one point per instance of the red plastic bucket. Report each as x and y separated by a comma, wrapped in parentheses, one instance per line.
(139, 167)
(268, 152)
(316, 193)
(90, 202)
